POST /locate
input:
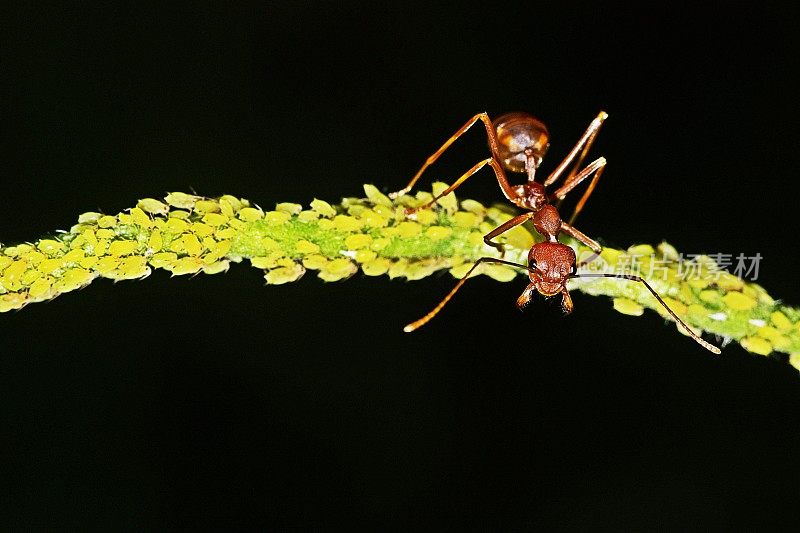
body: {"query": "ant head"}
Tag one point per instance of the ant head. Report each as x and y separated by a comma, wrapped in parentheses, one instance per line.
(521, 136)
(553, 263)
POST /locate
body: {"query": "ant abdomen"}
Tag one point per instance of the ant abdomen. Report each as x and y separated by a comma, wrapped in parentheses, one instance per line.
(519, 136)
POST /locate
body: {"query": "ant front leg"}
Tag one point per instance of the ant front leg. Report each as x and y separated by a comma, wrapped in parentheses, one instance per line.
(596, 167)
(707, 345)
(584, 143)
(579, 235)
(508, 190)
(491, 162)
(566, 301)
(504, 227)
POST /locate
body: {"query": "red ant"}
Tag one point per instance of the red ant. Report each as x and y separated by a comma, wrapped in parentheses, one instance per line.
(518, 143)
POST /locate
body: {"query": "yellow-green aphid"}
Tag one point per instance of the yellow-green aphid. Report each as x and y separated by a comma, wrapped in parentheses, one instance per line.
(163, 259)
(152, 206)
(180, 214)
(251, 214)
(376, 267)
(426, 217)
(191, 244)
(217, 267)
(346, 223)
(756, 345)
(337, 269)
(30, 276)
(155, 242)
(264, 262)
(376, 197)
(72, 279)
(284, 274)
(200, 229)
(476, 208)
(314, 261)
(438, 233)
(305, 247)
(89, 262)
(73, 256)
(408, 229)
(357, 240)
(464, 219)
(106, 221)
(226, 233)
(181, 200)
(89, 217)
(780, 321)
(140, 218)
(50, 246)
(215, 219)
(372, 219)
(323, 208)
(176, 225)
(41, 288)
(12, 275)
(287, 207)
(9, 302)
(107, 264)
(627, 306)
(186, 265)
(421, 269)
(307, 216)
(499, 272)
(229, 205)
(738, 301)
(276, 218)
(49, 266)
(34, 257)
(122, 247)
(206, 206)
(134, 267)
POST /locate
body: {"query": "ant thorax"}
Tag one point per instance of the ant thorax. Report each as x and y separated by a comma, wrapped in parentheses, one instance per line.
(535, 195)
(531, 196)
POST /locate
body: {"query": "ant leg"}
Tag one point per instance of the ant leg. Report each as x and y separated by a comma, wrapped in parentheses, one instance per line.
(425, 319)
(596, 167)
(508, 190)
(707, 345)
(576, 234)
(526, 296)
(491, 162)
(504, 227)
(586, 195)
(566, 301)
(585, 142)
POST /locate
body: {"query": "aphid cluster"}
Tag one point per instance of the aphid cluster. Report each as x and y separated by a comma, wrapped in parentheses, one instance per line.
(188, 234)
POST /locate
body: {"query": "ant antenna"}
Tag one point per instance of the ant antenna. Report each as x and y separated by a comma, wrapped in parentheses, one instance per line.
(708, 346)
(435, 311)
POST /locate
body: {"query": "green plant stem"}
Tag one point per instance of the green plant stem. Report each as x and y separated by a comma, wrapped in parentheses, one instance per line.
(187, 234)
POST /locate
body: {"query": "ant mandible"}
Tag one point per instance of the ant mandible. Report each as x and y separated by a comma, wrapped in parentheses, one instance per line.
(523, 142)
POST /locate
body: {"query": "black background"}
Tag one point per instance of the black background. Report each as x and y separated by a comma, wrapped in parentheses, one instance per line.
(218, 401)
